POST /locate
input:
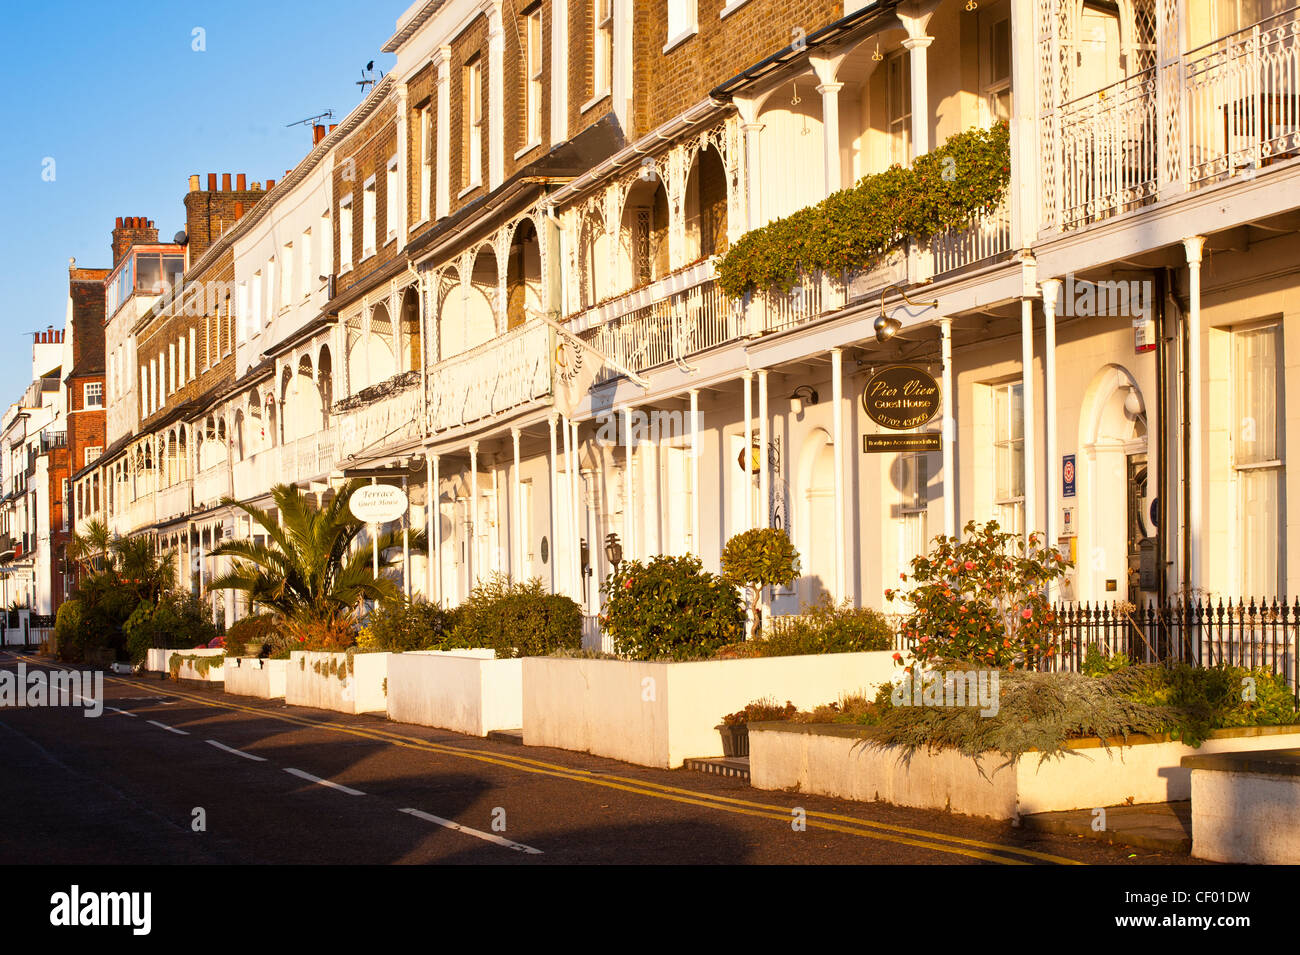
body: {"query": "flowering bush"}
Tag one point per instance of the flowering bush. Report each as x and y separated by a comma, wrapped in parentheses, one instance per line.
(983, 599)
(670, 607)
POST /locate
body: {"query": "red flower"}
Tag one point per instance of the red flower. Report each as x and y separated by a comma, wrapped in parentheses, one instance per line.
(969, 565)
(1026, 613)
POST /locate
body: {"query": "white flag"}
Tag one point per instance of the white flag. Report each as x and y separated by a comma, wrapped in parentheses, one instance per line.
(576, 368)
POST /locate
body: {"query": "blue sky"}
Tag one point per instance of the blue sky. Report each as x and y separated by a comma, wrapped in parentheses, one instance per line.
(117, 97)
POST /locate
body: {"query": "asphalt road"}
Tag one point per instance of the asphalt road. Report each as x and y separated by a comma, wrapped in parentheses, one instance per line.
(288, 785)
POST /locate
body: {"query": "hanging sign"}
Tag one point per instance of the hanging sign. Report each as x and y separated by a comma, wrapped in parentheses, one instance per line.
(901, 397)
(925, 441)
(378, 503)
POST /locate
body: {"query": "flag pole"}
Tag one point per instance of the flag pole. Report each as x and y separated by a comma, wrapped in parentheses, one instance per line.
(619, 367)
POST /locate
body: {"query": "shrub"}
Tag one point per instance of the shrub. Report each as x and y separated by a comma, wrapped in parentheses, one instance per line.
(175, 621)
(825, 628)
(984, 599)
(758, 558)
(260, 629)
(1097, 663)
(70, 631)
(670, 607)
(1210, 698)
(760, 711)
(517, 619)
(401, 626)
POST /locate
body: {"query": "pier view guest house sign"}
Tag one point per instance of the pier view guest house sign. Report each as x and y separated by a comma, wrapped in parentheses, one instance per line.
(901, 397)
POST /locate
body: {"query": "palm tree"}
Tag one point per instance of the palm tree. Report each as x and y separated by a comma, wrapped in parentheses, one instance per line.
(89, 550)
(308, 572)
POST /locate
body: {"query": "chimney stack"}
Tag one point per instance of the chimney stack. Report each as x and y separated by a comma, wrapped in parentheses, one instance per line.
(129, 231)
(270, 184)
(225, 182)
(317, 134)
(241, 183)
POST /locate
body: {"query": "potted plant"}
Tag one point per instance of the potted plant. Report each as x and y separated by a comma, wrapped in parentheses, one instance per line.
(734, 727)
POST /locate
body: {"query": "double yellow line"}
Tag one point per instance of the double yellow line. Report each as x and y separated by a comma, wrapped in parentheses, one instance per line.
(885, 832)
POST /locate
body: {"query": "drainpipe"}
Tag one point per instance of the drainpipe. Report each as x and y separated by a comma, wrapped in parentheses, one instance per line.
(1194, 247)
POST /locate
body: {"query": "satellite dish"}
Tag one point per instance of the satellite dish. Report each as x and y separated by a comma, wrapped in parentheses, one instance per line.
(180, 238)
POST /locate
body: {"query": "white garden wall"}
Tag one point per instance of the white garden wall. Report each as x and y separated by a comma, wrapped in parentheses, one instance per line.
(834, 760)
(315, 679)
(660, 714)
(469, 691)
(264, 679)
(160, 661)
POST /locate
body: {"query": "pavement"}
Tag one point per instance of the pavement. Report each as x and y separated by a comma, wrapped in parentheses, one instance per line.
(185, 773)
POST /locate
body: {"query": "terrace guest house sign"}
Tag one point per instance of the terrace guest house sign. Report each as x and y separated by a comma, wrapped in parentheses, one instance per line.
(378, 503)
(901, 397)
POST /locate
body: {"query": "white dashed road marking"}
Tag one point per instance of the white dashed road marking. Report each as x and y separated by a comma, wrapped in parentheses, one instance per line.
(325, 782)
(499, 840)
(170, 729)
(237, 752)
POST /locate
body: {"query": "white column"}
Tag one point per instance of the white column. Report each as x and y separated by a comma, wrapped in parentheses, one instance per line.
(764, 477)
(1195, 248)
(695, 472)
(576, 514)
(551, 499)
(751, 127)
(837, 426)
(629, 487)
(570, 497)
(374, 539)
(916, 47)
(473, 514)
(748, 377)
(520, 532)
(1051, 291)
(831, 134)
(1030, 427)
(559, 70)
(433, 522)
(949, 433)
(406, 543)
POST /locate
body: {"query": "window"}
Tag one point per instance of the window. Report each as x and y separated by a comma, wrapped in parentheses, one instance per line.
(1258, 459)
(256, 319)
(171, 369)
(368, 224)
(93, 394)
(426, 161)
(228, 339)
(326, 244)
(286, 276)
(390, 201)
(681, 20)
(244, 312)
(898, 96)
(913, 473)
(602, 45)
(472, 111)
(995, 68)
(271, 290)
(308, 280)
(1009, 457)
(345, 234)
(180, 361)
(532, 98)
(193, 353)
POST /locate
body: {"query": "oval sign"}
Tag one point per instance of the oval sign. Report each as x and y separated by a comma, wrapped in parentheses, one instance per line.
(901, 397)
(378, 503)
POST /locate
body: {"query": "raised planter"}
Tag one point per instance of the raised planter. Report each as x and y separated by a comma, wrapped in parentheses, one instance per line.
(835, 760)
(1245, 806)
(346, 682)
(660, 714)
(469, 691)
(161, 661)
(264, 679)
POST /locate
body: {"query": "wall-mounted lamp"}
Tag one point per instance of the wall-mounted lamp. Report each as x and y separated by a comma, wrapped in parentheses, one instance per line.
(613, 550)
(803, 395)
(886, 325)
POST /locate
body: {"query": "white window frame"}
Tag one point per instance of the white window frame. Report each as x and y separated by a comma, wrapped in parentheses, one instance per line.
(369, 213)
(472, 110)
(426, 163)
(533, 66)
(308, 280)
(346, 238)
(91, 453)
(326, 245)
(1244, 465)
(683, 22)
(86, 393)
(1004, 503)
(602, 48)
(391, 211)
(899, 124)
(286, 277)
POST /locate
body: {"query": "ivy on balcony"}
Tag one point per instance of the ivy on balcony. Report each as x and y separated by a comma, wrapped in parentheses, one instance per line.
(853, 229)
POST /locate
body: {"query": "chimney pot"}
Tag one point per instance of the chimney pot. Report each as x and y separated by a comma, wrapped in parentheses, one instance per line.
(225, 182)
(241, 183)
(333, 126)
(317, 133)
(212, 182)
(270, 184)
(119, 223)
(194, 183)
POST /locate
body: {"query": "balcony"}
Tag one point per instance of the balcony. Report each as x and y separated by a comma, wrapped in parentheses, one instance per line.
(174, 501)
(1230, 108)
(663, 324)
(306, 459)
(211, 485)
(985, 240)
(507, 373)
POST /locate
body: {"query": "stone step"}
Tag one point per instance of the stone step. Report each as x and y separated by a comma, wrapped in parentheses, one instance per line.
(736, 767)
(507, 736)
(1166, 826)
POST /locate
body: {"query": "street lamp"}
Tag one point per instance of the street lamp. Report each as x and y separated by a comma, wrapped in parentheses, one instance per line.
(613, 550)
